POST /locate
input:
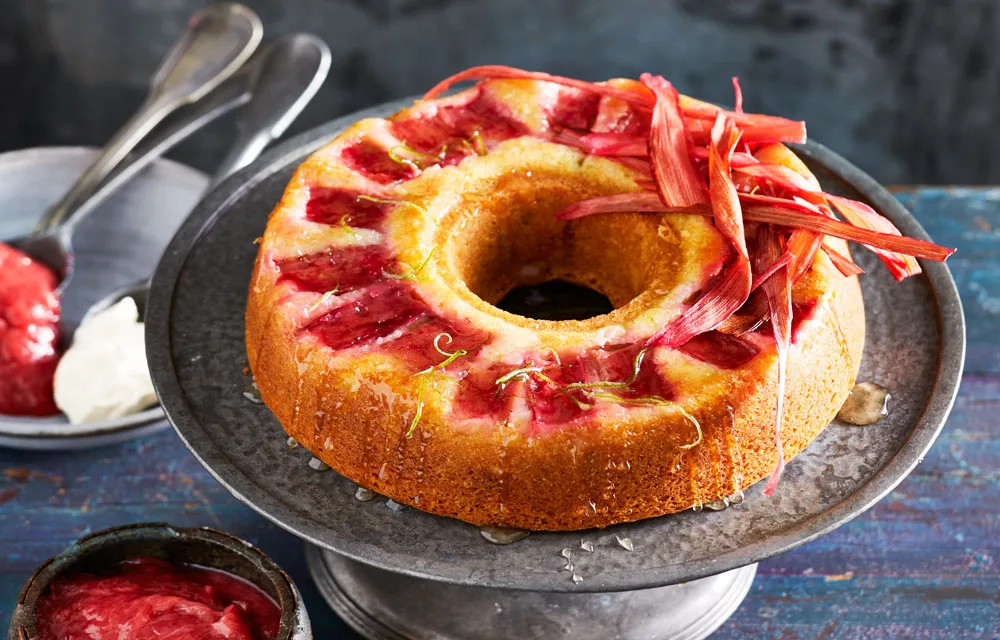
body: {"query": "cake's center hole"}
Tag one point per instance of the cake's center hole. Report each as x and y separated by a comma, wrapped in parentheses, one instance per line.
(555, 300)
(505, 244)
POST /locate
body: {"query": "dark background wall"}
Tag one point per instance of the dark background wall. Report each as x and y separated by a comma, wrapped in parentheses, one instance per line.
(909, 90)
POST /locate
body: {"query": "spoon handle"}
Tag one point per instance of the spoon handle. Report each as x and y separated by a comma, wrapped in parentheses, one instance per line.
(215, 43)
(277, 83)
(284, 78)
(178, 127)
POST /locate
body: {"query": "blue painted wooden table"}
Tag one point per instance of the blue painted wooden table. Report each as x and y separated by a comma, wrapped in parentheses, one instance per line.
(924, 563)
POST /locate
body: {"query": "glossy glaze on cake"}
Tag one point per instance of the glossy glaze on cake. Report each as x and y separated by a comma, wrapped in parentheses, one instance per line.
(372, 334)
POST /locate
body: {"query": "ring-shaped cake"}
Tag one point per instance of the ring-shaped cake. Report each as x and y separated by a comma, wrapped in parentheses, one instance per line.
(373, 335)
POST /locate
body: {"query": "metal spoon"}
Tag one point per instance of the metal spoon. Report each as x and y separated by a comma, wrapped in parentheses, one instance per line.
(217, 41)
(232, 93)
(285, 78)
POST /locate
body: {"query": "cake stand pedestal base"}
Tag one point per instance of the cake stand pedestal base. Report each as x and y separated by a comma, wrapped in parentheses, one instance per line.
(389, 606)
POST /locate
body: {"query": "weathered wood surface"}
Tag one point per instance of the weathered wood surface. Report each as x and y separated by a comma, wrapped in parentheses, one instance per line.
(924, 563)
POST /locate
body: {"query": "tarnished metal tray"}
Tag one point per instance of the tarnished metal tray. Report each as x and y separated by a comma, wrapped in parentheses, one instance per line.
(915, 348)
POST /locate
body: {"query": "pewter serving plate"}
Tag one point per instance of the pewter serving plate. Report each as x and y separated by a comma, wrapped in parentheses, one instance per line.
(195, 345)
(119, 243)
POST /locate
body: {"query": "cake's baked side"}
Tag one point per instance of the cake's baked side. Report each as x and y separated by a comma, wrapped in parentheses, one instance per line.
(548, 482)
(424, 427)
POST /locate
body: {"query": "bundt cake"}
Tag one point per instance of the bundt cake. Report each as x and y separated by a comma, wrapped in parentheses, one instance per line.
(736, 335)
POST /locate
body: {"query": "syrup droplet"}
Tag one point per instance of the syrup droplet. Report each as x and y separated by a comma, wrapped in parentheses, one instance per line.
(503, 535)
(586, 545)
(696, 508)
(625, 543)
(717, 505)
(318, 465)
(252, 393)
(866, 404)
(291, 443)
(364, 494)
(577, 579)
(723, 503)
(567, 553)
(395, 506)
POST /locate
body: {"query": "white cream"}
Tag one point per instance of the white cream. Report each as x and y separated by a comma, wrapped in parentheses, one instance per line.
(104, 375)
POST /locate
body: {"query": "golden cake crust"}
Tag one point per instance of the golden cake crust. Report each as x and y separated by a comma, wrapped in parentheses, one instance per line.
(353, 411)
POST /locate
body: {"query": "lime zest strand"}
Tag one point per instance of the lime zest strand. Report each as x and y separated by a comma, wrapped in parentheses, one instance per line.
(480, 143)
(410, 150)
(579, 403)
(526, 373)
(412, 273)
(347, 228)
(608, 384)
(395, 202)
(651, 401)
(697, 426)
(547, 380)
(420, 408)
(424, 262)
(555, 355)
(430, 159)
(452, 357)
(595, 391)
(477, 146)
(522, 372)
(449, 358)
(405, 161)
(639, 401)
(395, 157)
(437, 342)
(322, 300)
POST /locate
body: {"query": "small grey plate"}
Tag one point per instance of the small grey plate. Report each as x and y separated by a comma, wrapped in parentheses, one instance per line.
(119, 243)
(195, 345)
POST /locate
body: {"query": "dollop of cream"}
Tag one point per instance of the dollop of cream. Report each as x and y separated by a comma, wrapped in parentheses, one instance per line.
(104, 374)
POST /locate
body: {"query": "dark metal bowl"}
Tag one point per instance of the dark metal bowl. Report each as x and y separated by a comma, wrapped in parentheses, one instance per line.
(204, 547)
(195, 345)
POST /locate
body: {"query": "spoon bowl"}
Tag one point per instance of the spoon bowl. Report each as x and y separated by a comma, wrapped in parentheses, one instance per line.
(53, 249)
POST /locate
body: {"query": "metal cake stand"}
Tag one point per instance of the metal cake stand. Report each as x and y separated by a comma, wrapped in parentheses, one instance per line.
(394, 572)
